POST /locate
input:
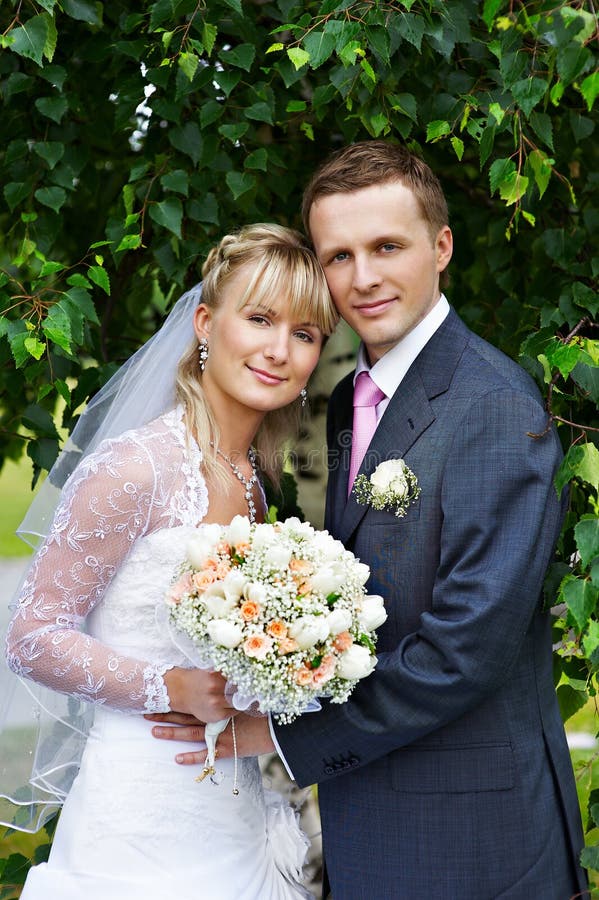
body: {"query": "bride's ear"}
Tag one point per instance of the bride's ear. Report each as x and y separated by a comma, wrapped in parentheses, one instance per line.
(202, 321)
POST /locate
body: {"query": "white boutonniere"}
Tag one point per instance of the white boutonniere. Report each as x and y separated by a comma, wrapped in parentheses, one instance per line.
(392, 486)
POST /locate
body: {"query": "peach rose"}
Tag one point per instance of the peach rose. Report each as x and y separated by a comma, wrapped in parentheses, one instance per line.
(303, 676)
(257, 646)
(343, 641)
(304, 587)
(223, 548)
(249, 610)
(325, 670)
(300, 567)
(202, 579)
(222, 569)
(242, 548)
(277, 629)
(287, 645)
(211, 562)
(180, 587)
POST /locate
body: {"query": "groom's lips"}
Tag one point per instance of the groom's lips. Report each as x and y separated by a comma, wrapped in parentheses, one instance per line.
(374, 308)
(266, 377)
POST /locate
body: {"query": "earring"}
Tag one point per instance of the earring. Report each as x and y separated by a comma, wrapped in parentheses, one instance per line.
(203, 349)
(304, 396)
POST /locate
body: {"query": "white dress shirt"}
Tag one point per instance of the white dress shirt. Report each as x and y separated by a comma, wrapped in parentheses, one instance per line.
(388, 373)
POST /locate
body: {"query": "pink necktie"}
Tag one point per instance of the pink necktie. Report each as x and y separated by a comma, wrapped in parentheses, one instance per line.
(366, 397)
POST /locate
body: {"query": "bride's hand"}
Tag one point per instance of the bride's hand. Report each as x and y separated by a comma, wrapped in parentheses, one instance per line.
(252, 736)
(199, 693)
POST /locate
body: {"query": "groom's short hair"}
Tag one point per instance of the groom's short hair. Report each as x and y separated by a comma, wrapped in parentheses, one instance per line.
(368, 163)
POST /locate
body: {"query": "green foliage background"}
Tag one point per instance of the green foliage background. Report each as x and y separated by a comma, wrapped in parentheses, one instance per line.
(133, 135)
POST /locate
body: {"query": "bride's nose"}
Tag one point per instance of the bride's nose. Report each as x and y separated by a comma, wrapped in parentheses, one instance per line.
(277, 345)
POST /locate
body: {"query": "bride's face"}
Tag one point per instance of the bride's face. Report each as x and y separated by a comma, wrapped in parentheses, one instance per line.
(259, 357)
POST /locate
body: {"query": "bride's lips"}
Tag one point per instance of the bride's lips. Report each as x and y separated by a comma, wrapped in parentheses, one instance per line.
(375, 308)
(266, 377)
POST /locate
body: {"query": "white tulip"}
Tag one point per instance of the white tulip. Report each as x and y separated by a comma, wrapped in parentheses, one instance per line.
(361, 572)
(327, 580)
(225, 633)
(202, 544)
(255, 592)
(372, 612)
(217, 605)
(339, 620)
(279, 557)
(233, 585)
(357, 662)
(309, 630)
(238, 531)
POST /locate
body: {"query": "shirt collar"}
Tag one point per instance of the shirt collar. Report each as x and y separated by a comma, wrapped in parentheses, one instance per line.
(389, 371)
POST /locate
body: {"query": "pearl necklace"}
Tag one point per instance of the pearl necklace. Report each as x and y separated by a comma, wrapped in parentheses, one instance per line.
(248, 483)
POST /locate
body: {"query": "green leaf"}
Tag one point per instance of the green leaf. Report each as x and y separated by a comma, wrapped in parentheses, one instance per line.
(513, 188)
(589, 89)
(52, 107)
(528, 92)
(260, 111)
(210, 112)
(209, 33)
(541, 168)
(227, 80)
(437, 129)
(234, 132)
(296, 106)
(580, 596)
(99, 276)
(241, 56)
(34, 347)
(570, 700)
(500, 172)
(54, 197)
(57, 326)
(319, 45)
(188, 139)
(411, 27)
(572, 60)
(563, 356)
(298, 57)
(83, 11)
(497, 111)
(129, 242)
(589, 857)
(239, 183)
(258, 159)
(177, 180)
(15, 192)
(79, 298)
(188, 63)
(51, 151)
(490, 9)
(29, 39)
(169, 214)
(406, 104)
(581, 461)
(586, 533)
(458, 147)
(541, 125)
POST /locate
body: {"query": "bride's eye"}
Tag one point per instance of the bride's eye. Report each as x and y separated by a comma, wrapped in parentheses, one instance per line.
(258, 319)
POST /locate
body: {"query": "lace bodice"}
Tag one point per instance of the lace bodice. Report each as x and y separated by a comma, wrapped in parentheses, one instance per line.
(117, 537)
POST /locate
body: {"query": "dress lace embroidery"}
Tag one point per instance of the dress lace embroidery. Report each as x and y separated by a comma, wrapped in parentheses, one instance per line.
(132, 487)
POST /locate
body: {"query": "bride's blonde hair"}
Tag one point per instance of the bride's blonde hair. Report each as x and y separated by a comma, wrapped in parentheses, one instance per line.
(284, 267)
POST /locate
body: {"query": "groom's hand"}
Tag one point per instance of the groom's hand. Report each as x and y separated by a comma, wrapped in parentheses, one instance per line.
(252, 736)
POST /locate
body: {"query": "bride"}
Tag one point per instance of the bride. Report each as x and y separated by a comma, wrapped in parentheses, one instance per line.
(174, 441)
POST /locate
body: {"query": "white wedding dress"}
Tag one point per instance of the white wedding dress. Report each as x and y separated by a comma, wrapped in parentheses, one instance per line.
(135, 825)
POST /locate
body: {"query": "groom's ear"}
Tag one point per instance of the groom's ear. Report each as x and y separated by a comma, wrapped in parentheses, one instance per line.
(202, 321)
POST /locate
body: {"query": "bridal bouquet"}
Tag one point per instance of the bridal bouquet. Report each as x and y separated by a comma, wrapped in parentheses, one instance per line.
(280, 610)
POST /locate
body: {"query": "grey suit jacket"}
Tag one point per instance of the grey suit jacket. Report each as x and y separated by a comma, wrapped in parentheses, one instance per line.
(447, 774)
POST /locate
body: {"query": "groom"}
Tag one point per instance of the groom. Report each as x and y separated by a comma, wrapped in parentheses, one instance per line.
(446, 776)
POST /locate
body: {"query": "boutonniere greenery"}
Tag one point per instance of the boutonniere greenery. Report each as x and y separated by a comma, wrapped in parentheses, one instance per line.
(392, 486)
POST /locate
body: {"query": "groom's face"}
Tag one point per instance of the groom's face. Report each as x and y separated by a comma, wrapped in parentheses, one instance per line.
(381, 262)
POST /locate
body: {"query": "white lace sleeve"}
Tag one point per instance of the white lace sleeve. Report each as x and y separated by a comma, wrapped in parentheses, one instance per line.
(105, 508)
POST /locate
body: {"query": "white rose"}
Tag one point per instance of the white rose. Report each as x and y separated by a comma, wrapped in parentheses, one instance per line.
(390, 476)
(218, 605)
(339, 620)
(309, 630)
(357, 662)
(373, 612)
(225, 633)
(327, 580)
(238, 531)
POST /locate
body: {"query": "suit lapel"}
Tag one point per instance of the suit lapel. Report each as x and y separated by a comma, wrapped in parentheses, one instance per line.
(407, 416)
